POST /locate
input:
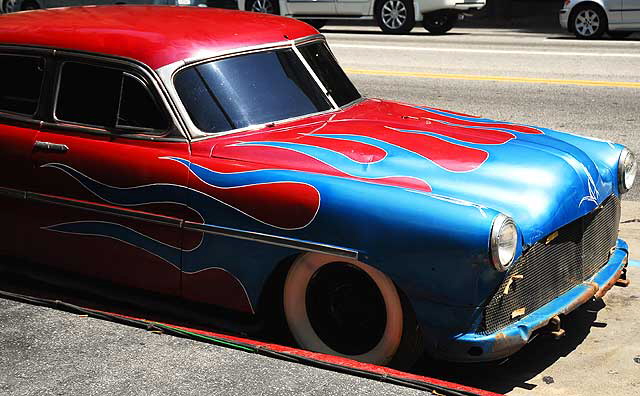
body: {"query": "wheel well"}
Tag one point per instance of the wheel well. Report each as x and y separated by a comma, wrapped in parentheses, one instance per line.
(584, 5)
(25, 3)
(269, 308)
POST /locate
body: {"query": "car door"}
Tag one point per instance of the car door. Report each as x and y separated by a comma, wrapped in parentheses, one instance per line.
(106, 201)
(311, 7)
(631, 13)
(20, 93)
(353, 7)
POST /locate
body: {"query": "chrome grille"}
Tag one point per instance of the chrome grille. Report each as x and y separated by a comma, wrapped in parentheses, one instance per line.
(553, 266)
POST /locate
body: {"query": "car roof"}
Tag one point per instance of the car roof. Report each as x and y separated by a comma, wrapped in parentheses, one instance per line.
(154, 35)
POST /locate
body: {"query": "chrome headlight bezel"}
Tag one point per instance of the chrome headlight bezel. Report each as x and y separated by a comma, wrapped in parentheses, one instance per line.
(503, 227)
(627, 170)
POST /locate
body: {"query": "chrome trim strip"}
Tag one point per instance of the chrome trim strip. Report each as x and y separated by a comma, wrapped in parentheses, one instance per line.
(95, 207)
(13, 193)
(315, 77)
(273, 240)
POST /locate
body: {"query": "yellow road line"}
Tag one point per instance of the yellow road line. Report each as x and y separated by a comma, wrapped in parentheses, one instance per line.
(470, 77)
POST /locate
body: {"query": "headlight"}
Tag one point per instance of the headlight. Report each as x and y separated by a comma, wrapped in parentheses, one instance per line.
(627, 169)
(504, 240)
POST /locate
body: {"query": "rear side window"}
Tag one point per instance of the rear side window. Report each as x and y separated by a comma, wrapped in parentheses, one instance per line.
(105, 97)
(21, 83)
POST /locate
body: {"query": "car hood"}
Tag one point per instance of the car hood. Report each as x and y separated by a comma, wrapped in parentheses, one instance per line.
(544, 179)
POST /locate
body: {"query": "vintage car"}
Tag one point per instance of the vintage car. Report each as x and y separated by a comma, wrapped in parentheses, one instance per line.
(224, 157)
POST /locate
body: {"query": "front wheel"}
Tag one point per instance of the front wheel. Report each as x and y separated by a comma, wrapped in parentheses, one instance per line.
(395, 16)
(263, 6)
(346, 308)
(589, 22)
(439, 22)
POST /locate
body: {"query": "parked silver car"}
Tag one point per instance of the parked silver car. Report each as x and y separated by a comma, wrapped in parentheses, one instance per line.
(393, 16)
(23, 5)
(590, 19)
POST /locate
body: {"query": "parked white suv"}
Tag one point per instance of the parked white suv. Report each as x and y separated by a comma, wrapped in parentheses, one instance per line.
(590, 19)
(393, 16)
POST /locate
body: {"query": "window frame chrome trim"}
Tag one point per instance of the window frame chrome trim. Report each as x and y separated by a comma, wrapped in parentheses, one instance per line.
(28, 54)
(99, 129)
(167, 73)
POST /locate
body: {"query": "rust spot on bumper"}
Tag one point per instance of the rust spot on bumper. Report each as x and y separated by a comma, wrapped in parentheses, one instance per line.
(607, 286)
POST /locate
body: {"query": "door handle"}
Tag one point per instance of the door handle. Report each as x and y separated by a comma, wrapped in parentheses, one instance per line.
(53, 147)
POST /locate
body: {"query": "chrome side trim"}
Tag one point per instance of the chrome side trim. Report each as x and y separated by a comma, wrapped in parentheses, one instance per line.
(95, 207)
(268, 239)
(273, 240)
(12, 193)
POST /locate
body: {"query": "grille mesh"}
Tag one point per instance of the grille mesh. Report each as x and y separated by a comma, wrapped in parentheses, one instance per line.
(551, 269)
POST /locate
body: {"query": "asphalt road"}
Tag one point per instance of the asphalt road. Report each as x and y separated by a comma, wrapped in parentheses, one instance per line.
(590, 88)
(546, 79)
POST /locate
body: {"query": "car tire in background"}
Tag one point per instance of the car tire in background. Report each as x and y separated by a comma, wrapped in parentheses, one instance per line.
(316, 23)
(346, 308)
(439, 22)
(9, 6)
(263, 6)
(588, 21)
(15, 5)
(395, 16)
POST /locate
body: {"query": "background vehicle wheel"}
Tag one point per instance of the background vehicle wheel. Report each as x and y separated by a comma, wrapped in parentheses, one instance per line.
(316, 23)
(618, 34)
(395, 16)
(9, 6)
(347, 308)
(588, 22)
(263, 6)
(14, 5)
(439, 22)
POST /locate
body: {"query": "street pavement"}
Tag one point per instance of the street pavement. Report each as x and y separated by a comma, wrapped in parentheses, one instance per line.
(545, 79)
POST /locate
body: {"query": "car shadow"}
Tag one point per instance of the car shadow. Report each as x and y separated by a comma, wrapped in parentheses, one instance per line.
(635, 37)
(499, 377)
(534, 358)
(415, 32)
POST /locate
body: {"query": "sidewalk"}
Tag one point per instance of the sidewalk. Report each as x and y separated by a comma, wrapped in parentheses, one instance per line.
(630, 227)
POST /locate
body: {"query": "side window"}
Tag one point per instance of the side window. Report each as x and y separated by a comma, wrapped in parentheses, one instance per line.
(21, 83)
(105, 97)
(137, 108)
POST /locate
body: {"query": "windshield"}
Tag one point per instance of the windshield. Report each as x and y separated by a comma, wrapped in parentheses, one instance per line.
(326, 67)
(261, 87)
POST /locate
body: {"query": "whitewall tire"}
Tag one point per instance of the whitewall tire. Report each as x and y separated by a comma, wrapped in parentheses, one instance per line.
(343, 307)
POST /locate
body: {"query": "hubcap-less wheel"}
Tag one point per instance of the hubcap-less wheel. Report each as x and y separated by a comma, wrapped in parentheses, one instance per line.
(587, 22)
(343, 307)
(263, 6)
(394, 14)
